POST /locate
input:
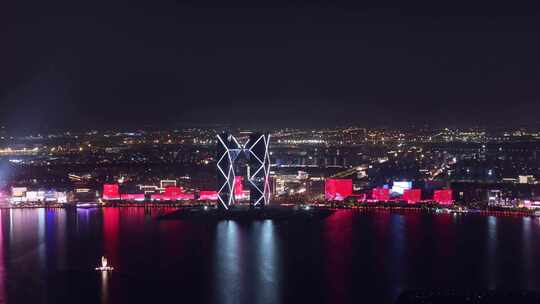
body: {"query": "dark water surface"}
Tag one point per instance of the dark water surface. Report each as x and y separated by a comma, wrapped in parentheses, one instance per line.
(48, 256)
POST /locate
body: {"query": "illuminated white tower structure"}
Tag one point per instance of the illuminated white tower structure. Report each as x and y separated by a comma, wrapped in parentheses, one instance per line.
(250, 160)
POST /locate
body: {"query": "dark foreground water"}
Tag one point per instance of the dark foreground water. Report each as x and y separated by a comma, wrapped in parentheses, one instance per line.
(48, 256)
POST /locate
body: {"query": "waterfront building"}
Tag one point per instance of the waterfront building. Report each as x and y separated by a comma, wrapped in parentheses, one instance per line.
(250, 160)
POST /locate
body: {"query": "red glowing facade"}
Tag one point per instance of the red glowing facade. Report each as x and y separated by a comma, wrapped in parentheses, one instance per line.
(337, 189)
(185, 197)
(173, 191)
(132, 197)
(238, 187)
(111, 192)
(157, 197)
(443, 197)
(412, 196)
(208, 195)
(177, 197)
(172, 194)
(381, 194)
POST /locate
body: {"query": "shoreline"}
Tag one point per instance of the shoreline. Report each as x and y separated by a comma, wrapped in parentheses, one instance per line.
(363, 207)
(248, 214)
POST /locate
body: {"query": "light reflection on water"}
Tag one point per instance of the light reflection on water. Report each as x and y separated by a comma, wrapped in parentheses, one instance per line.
(42, 247)
(338, 231)
(527, 255)
(238, 252)
(268, 278)
(3, 298)
(397, 252)
(228, 262)
(45, 254)
(104, 287)
(492, 252)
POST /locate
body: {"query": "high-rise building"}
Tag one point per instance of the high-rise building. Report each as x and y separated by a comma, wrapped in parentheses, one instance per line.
(258, 168)
(250, 160)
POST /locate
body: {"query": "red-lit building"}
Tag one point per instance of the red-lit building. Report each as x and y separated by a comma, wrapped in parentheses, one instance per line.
(132, 197)
(185, 197)
(172, 193)
(157, 197)
(111, 192)
(443, 197)
(412, 196)
(208, 195)
(337, 189)
(176, 197)
(380, 194)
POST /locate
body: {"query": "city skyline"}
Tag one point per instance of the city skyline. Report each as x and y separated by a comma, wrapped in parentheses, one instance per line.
(269, 152)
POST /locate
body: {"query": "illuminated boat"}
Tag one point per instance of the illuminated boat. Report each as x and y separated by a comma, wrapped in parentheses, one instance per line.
(104, 266)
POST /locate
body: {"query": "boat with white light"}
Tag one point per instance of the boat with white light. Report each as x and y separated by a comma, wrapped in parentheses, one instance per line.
(104, 265)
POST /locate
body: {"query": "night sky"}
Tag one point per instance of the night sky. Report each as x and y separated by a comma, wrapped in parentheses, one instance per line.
(115, 63)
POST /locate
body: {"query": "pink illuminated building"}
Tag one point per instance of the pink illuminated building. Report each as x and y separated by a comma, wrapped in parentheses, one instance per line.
(412, 196)
(208, 195)
(337, 189)
(443, 197)
(381, 194)
(111, 192)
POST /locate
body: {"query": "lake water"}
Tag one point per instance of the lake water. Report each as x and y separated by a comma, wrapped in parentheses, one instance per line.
(49, 255)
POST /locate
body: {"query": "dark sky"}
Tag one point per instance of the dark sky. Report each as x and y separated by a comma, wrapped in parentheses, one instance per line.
(114, 63)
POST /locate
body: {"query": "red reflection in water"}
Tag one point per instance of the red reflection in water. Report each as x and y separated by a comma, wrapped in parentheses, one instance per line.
(172, 235)
(111, 222)
(414, 233)
(338, 246)
(381, 224)
(176, 239)
(445, 235)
